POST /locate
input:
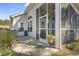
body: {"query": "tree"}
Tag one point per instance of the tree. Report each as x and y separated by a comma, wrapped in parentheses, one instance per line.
(5, 22)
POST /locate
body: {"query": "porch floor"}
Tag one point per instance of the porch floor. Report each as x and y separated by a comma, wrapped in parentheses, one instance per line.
(30, 47)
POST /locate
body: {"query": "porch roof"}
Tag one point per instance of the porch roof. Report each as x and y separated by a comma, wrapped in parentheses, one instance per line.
(30, 6)
(17, 15)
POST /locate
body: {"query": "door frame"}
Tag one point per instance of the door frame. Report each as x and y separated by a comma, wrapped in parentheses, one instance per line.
(57, 25)
(44, 40)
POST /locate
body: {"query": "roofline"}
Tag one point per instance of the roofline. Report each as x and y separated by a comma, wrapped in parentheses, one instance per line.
(25, 12)
(17, 15)
(29, 7)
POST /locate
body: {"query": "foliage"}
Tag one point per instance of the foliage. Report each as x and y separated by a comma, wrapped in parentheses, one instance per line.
(51, 39)
(6, 38)
(5, 22)
(68, 49)
(73, 46)
(4, 51)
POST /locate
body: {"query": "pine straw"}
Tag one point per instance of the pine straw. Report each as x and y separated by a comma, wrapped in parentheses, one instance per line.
(62, 52)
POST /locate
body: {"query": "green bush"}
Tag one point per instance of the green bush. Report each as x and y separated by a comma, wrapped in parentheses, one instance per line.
(6, 41)
(73, 46)
(4, 51)
(6, 38)
(51, 39)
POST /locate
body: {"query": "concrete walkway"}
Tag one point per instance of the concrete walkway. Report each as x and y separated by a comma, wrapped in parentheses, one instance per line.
(28, 47)
(27, 39)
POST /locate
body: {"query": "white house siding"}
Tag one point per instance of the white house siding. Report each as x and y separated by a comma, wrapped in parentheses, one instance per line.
(32, 13)
(15, 23)
(23, 19)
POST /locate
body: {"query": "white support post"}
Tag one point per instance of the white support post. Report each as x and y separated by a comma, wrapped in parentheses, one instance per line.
(57, 25)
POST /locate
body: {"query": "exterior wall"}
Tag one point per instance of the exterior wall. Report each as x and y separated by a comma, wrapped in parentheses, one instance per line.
(23, 19)
(15, 23)
(57, 23)
(71, 12)
(33, 14)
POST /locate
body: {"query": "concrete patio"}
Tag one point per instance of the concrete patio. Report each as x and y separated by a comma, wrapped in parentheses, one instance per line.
(30, 47)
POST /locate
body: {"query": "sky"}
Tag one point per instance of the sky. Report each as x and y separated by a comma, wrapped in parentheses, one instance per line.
(7, 9)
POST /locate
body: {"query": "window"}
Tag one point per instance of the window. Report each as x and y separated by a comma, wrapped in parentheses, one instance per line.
(43, 22)
(37, 23)
(21, 28)
(43, 9)
(30, 17)
(30, 26)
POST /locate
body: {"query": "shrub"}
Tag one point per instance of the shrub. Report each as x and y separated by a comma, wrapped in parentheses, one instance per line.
(6, 38)
(73, 46)
(4, 51)
(51, 39)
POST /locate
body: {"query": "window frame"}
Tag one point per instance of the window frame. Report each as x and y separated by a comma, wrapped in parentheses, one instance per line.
(30, 25)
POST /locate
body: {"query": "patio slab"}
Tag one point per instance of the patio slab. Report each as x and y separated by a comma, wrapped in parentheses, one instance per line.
(28, 47)
(27, 39)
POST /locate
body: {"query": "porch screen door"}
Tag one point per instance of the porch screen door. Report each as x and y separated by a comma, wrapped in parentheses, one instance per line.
(43, 29)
